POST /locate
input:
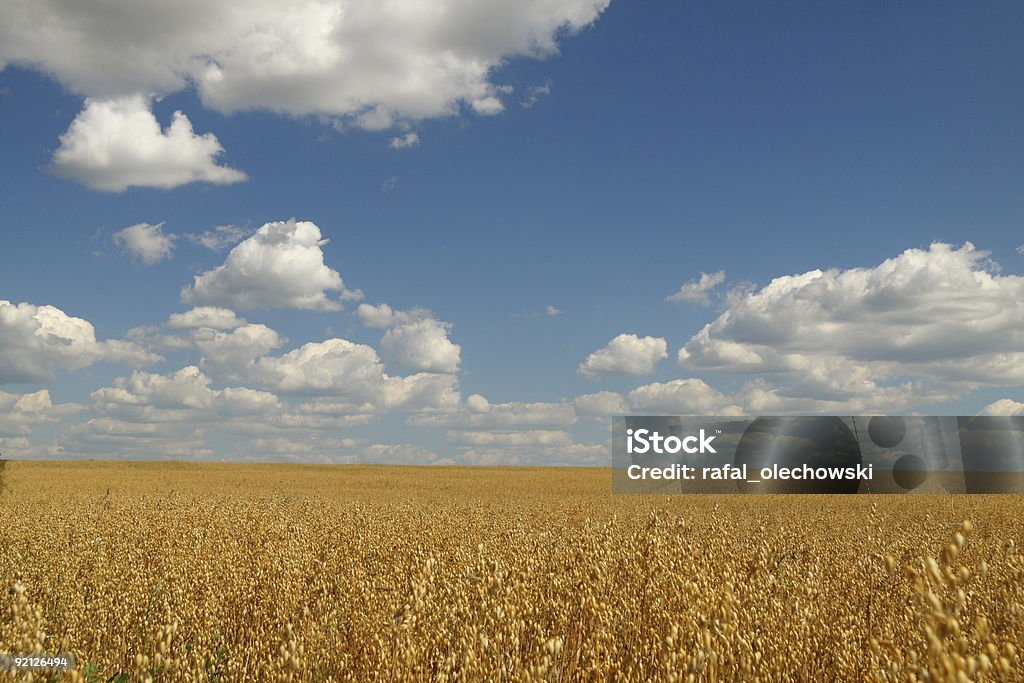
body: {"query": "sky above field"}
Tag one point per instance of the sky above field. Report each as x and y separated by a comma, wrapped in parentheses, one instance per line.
(468, 231)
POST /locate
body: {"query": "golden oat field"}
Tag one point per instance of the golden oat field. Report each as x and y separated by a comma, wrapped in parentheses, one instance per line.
(265, 572)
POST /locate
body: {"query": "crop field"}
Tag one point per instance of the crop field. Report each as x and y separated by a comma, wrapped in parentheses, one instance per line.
(238, 572)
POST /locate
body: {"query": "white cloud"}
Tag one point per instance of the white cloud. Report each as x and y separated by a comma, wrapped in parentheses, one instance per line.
(383, 316)
(281, 266)
(593, 455)
(220, 237)
(479, 413)
(310, 449)
(414, 340)
(106, 437)
(20, 412)
(928, 323)
(422, 346)
(227, 344)
(535, 93)
(398, 454)
(320, 414)
(327, 367)
(477, 404)
(625, 354)
(511, 439)
(154, 415)
(35, 341)
(182, 396)
(22, 448)
(231, 354)
(692, 396)
(341, 368)
(761, 398)
(682, 397)
(601, 404)
(404, 141)
(369, 63)
(551, 310)
(205, 316)
(1004, 407)
(18, 447)
(349, 379)
(487, 106)
(698, 291)
(376, 316)
(117, 143)
(146, 242)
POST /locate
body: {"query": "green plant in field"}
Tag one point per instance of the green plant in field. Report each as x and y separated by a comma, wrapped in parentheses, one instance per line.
(91, 674)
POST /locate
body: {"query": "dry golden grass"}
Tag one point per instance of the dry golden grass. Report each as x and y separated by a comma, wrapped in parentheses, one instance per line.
(209, 572)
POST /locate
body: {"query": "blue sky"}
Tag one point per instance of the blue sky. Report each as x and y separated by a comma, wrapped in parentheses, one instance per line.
(660, 141)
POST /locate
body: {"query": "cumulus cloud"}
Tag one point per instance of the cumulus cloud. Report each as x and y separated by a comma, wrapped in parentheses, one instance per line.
(227, 344)
(117, 143)
(177, 414)
(344, 369)
(487, 106)
(414, 339)
(698, 291)
(930, 323)
(479, 413)
(328, 451)
(280, 266)
(181, 396)
(682, 397)
(399, 454)
(601, 404)
(230, 354)
(573, 455)
(404, 141)
(511, 439)
(348, 380)
(205, 316)
(551, 310)
(759, 397)
(1004, 407)
(367, 63)
(693, 396)
(626, 354)
(380, 316)
(146, 242)
(35, 341)
(350, 377)
(18, 447)
(383, 316)
(20, 412)
(422, 346)
(167, 415)
(477, 404)
(105, 437)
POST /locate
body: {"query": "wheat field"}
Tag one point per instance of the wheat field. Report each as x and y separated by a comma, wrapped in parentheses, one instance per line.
(253, 572)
